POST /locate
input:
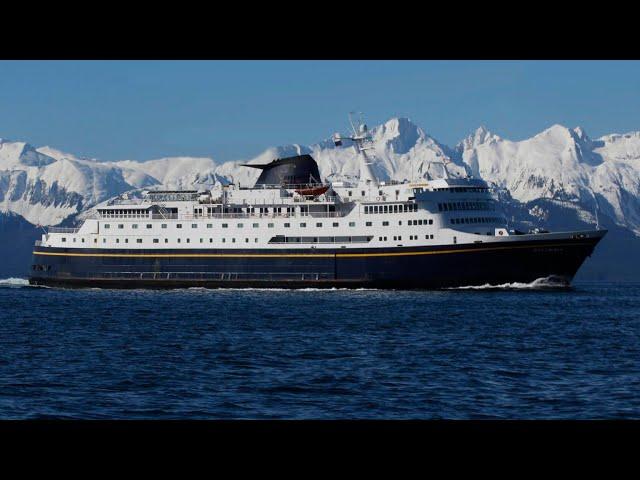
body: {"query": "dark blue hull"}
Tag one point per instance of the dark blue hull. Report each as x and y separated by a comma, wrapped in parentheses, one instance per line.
(400, 267)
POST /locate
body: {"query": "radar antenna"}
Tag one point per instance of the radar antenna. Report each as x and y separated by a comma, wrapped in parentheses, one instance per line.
(362, 141)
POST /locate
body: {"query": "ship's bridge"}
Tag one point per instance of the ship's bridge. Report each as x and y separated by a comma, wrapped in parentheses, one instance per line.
(465, 204)
(454, 185)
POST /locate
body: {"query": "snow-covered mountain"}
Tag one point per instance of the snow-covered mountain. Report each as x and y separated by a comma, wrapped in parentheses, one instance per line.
(560, 166)
(563, 165)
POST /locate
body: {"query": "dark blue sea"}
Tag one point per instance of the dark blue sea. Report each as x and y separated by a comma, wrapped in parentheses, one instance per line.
(516, 352)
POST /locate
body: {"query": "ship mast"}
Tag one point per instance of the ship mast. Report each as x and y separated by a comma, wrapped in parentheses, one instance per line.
(362, 141)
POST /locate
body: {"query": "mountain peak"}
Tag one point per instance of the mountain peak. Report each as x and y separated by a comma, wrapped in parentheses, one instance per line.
(556, 131)
(21, 153)
(559, 134)
(399, 133)
(481, 135)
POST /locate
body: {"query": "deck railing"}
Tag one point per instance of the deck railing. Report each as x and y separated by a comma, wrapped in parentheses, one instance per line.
(62, 230)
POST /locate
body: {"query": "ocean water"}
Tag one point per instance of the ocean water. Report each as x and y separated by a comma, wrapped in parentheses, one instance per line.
(513, 352)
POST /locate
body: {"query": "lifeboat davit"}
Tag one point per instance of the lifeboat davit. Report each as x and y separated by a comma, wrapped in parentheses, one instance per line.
(312, 191)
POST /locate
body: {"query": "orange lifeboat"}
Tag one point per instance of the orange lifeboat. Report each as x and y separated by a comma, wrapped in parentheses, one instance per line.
(312, 191)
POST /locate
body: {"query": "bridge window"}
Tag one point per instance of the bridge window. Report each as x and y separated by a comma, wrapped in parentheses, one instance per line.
(134, 226)
(164, 225)
(287, 225)
(269, 225)
(194, 225)
(106, 225)
(319, 224)
(352, 224)
(303, 225)
(178, 225)
(155, 240)
(368, 224)
(336, 224)
(385, 224)
(139, 240)
(225, 225)
(256, 225)
(120, 225)
(149, 225)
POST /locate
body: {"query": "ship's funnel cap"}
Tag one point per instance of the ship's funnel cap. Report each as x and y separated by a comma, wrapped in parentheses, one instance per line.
(289, 171)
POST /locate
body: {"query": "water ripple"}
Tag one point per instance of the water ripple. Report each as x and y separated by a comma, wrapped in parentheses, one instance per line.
(504, 352)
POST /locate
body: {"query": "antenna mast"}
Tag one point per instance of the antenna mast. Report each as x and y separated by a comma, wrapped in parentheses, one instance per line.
(362, 141)
(596, 208)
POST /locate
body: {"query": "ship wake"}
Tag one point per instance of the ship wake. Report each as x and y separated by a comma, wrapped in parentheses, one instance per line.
(14, 282)
(546, 283)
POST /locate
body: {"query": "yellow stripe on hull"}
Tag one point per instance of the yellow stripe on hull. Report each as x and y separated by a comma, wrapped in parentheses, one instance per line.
(298, 255)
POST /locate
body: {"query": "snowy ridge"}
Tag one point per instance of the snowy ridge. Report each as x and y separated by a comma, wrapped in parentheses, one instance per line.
(559, 166)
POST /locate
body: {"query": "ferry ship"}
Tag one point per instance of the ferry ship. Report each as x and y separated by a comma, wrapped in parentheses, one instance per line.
(292, 230)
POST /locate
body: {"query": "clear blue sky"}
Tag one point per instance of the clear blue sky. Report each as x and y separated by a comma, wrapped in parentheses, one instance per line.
(234, 109)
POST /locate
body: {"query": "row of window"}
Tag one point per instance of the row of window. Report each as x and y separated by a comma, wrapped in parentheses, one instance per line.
(455, 206)
(276, 239)
(124, 213)
(345, 239)
(411, 237)
(458, 221)
(134, 226)
(400, 208)
(156, 240)
(463, 189)
(363, 193)
(409, 222)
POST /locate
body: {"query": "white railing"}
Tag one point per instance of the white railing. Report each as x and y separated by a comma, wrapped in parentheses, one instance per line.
(62, 230)
(115, 215)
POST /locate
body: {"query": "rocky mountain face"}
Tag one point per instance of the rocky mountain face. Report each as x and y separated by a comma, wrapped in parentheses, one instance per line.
(560, 178)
